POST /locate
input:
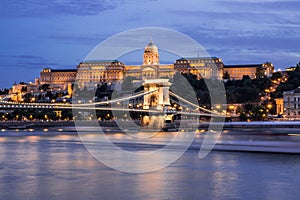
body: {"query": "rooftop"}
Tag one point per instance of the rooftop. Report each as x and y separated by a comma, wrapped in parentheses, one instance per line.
(199, 58)
(100, 61)
(63, 70)
(48, 69)
(243, 66)
(295, 91)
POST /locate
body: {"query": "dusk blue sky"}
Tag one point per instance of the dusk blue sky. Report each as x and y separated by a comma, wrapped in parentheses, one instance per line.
(60, 33)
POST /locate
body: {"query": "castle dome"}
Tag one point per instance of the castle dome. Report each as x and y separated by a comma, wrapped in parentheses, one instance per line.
(151, 56)
(151, 48)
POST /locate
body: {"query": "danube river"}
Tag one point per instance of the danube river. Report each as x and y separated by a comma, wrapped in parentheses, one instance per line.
(45, 164)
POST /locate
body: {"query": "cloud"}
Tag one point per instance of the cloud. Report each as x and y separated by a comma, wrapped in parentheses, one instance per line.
(64, 31)
(254, 18)
(25, 61)
(261, 4)
(76, 39)
(46, 8)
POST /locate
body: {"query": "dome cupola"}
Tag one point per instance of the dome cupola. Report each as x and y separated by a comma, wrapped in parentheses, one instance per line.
(151, 56)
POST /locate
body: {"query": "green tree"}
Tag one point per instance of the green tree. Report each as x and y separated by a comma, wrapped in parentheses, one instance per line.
(4, 91)
(298, 67)
(258, 113)
(24, 89)
(127, 84)
(226, 75)
(276, 75)
(259, 72)
(44, 87)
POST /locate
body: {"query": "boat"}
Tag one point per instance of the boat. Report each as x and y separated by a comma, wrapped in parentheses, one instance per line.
(19, 126)
(169, 126)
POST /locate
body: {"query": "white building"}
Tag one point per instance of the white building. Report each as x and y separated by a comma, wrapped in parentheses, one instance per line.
(292, 103)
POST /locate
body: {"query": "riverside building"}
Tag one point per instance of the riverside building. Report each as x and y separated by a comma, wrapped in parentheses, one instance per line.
(292, 103)
(93, 72)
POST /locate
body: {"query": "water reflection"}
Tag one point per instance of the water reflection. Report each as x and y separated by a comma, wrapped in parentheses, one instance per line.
(59, 167)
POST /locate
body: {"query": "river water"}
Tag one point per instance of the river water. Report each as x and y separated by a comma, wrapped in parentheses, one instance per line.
(39, 165)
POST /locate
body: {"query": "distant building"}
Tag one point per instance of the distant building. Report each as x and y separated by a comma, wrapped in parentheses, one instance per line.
(93, 72)
(292, 103)
(112, 71)
(289, 69)
(151, 67)
(279, 106)
(238, 71)
(17, 90)
(58, 79)
(203, 67)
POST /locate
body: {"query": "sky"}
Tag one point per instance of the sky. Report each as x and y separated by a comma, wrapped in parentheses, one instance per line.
(61, 33)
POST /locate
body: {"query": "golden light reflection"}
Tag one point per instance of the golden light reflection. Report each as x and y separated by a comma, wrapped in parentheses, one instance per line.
(298, 135)
(200, 131)
(118, 135)
(22, 140)
(33, 138)
(63, 136)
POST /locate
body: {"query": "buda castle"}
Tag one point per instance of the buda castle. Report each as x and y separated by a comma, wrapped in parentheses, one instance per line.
(112, 71)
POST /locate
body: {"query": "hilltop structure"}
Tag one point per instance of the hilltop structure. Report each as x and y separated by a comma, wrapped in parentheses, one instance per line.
(91, 73)
(254, 70)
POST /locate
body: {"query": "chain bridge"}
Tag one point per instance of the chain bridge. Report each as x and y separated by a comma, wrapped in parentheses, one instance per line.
(156, 98)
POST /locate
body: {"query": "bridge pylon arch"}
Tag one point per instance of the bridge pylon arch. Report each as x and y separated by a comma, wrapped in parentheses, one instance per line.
(160, 94)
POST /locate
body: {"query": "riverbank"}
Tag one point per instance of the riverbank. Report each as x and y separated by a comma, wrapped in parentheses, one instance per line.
(263, 140)
(130, 124)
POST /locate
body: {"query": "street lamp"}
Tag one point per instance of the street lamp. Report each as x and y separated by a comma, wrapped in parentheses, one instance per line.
(269, 106)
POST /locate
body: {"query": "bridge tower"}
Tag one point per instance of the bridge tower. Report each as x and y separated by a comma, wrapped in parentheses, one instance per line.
(159, 98)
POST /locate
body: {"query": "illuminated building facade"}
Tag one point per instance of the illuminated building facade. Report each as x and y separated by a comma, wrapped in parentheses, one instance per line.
(91, 73)
(292, 103)
(151, 68)
(279, 106)
(17, 91)
(57, 78)
(203, 67)
(94, 72)
(238, 71)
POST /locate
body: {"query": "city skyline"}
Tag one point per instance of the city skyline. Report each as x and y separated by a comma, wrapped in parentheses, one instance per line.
(59, 34)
